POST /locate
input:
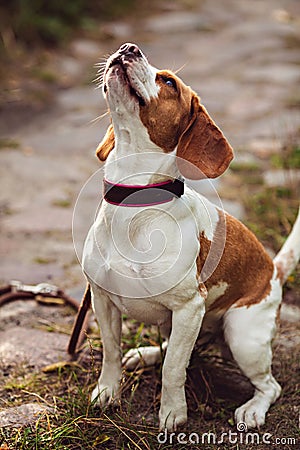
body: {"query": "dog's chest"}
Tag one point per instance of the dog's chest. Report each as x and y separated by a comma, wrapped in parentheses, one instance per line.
(141, 255)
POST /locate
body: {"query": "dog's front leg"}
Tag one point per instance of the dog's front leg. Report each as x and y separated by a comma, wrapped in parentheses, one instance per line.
(186, 323)
(109, 321)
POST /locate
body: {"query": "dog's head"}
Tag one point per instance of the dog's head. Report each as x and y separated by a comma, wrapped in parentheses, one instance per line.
(169, 110)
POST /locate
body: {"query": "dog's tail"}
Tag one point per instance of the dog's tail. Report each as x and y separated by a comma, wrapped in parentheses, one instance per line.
(289, 255)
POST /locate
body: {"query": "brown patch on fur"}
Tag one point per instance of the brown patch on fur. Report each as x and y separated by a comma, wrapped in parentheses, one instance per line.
(167, 116)
(203, 145)
(244, 266)
(106, 145)
(176, 117)
(280, 272)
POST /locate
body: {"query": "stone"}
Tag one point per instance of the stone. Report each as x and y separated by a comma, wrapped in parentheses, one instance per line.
(264, 147)
(234, 208)
(26, 414)
(176, 22)
(281, 177)
(118, 30)
(290, 313)
(86, 48)
(35, 348)
(274, 73)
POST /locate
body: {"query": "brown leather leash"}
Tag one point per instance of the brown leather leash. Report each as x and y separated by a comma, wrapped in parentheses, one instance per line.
(16, 290)
(80, 321)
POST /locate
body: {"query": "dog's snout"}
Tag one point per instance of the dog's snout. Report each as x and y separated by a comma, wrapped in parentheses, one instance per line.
(129, 48)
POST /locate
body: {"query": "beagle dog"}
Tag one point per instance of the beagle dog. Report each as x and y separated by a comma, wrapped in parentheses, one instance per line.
(162, 254)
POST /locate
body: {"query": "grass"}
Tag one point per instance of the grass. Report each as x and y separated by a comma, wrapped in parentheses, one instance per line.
(43, 74)
(289, 158)
(132, 423)
(43, 260)
(7, 143)
(62, 203)
(74, 424)
(271, 206)
(271, 211)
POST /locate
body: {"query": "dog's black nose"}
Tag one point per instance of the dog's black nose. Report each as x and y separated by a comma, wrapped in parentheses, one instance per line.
(130, 48)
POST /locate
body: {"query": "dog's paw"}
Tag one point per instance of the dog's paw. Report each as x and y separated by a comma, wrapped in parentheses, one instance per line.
(141, 357)
(250, 415)
(253, 413)
(171, 417)
(104, 395)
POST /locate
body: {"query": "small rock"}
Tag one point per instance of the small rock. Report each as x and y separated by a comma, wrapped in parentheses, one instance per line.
(282, 177)
(290, 313)
(264, 147)
(176, 22)
(23, 415)
(70, 68)
(234, 208)
(117, 30)
(35, 347)
(281, 15)
(86, 48)
(274, 73)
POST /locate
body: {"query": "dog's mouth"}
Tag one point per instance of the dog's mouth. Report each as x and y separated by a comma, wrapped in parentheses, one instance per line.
(135, 94)
(122, 72)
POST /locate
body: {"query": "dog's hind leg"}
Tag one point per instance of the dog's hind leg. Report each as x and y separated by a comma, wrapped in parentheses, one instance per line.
(249, 331)
(110, 321)
(143, 356)
(147, 356)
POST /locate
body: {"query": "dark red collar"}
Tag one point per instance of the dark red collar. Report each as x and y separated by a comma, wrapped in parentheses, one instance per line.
(143, 195)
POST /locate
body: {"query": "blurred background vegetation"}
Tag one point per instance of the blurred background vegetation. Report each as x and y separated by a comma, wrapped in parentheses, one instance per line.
(34, 32)
(44, 22)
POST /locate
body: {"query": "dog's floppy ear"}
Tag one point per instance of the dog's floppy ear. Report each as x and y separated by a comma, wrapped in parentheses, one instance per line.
(202, 148)
(106, 145)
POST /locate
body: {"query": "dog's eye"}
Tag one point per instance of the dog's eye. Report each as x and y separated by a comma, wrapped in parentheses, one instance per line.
(170, 82)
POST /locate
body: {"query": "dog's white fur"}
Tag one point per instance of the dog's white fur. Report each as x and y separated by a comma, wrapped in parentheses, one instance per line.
(130, 273)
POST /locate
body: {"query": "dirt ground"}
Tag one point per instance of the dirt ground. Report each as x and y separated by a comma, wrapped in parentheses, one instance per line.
(243, 59)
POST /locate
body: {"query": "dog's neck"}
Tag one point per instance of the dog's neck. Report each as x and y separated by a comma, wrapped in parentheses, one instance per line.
(136, 159)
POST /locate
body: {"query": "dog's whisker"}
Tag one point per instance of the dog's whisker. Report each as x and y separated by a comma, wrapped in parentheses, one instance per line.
(99, 85)
(100, 64)
(101, 70)
(100, 73)
(176, 71)
(103, 59)
(98, 79)
(98, 118)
